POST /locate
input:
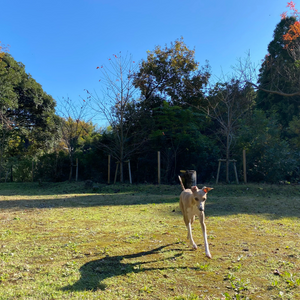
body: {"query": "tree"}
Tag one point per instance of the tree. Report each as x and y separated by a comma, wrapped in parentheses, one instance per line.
(269, 157)
(281, 64)
(7, 98)
(171, 73)
(278, 81)
(27, 112)
(176, 133)
(294, 30)
(117, 97)
(278, 77)
(73, 135)
(171, 83)
(3, 50)
(30, 111)
(227, 102)
(73, 127)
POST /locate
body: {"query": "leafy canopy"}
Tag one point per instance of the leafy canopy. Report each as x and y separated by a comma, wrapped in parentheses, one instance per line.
(27, 112)
(172, 74)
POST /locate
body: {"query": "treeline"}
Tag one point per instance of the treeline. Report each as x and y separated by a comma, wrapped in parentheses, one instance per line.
(167, 103)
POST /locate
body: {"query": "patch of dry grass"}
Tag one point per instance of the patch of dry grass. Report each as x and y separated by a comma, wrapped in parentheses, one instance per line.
(60, 241)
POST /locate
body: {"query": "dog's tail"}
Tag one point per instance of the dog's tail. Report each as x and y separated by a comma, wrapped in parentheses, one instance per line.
(183, 188)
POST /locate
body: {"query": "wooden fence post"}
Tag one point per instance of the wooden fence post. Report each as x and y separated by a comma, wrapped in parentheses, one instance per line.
(6, 175)
(234, 167)
(219, 167)
(129, 170)
(32, 167)
(158, 166)
(235, 171)
(108, 170)
(117, 167)
(244, 166)
(76, 169)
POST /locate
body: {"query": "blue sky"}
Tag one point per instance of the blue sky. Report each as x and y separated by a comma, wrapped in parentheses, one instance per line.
(62, 42)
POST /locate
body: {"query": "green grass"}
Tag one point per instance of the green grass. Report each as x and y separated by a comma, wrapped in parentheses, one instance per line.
(60, 241)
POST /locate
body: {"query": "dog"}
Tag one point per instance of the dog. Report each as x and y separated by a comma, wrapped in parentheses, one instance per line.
(192, 202)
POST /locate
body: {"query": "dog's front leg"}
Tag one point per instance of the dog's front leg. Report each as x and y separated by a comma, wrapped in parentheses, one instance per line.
(190, 236)
(202, 218)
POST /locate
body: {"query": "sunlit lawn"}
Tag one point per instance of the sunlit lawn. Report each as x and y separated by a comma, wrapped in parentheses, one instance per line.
(61, 241)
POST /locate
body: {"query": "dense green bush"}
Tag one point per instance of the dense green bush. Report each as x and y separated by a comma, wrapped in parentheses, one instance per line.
(269, 157)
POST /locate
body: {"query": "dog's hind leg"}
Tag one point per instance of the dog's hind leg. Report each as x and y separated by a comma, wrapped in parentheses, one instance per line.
(188, 223)
(190, 235)
(201, 218)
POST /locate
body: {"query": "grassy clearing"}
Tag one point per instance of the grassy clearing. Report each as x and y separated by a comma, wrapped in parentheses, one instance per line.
(129, 242)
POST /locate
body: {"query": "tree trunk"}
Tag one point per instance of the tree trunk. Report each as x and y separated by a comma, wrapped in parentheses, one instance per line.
(122, 132)
(121, 156)
(71, 168)
(227, 158)
(1, 161)
(121, 172)
(2, 151)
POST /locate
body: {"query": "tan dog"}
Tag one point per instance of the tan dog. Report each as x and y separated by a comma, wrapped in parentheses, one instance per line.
(192, 203)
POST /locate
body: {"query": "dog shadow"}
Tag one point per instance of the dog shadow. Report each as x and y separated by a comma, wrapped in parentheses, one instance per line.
(93, 273)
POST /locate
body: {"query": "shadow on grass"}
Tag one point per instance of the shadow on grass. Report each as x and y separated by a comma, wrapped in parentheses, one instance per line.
(87, 201)
(50, 188)
(272, 206)
(274, 202)
(95, 272)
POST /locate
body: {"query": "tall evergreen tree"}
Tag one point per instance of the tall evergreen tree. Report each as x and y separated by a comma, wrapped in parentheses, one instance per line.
(27, 112)
(275, 77)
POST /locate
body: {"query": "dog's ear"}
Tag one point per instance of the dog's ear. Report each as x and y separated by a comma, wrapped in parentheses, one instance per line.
(206, 189)
(194, 189)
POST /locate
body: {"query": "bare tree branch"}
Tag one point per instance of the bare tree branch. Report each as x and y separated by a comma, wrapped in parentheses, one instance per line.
(117, 96)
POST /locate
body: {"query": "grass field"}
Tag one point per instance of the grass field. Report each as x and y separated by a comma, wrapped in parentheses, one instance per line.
(60, 241)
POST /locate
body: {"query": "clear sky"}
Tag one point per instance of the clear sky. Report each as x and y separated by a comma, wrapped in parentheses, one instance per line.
(61, 42)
